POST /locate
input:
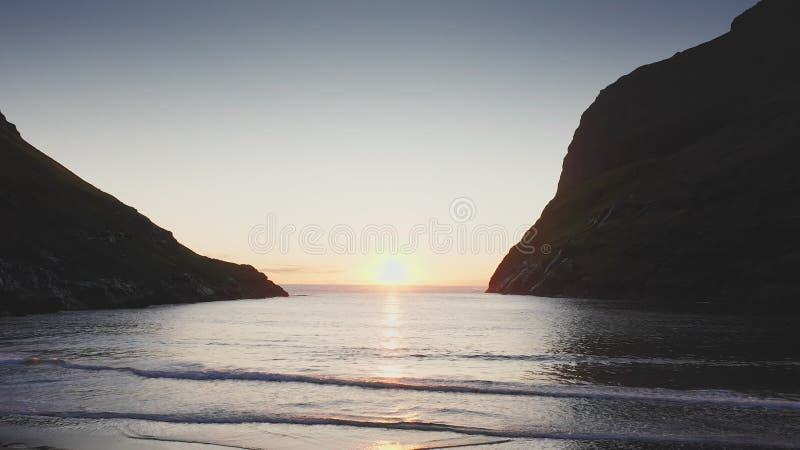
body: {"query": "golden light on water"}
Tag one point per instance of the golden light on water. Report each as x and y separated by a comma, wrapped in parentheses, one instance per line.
(382, 445)
(391, 317)
(391, 371)
(391, 344)
(390, 321)
(391, 333)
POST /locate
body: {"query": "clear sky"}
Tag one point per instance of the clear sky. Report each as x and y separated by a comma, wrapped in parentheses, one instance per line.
(225, 122)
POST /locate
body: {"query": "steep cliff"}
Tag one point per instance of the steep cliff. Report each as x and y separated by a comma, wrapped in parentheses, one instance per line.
(67, 245)
(682, 181)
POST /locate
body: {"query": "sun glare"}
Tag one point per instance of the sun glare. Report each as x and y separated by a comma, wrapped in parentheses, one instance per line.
(393, 272)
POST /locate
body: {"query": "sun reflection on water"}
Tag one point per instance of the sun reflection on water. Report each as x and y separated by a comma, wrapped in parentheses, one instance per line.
(391, 321)
(391, 371)
(383, 445)
(392, 344)
(391, 333)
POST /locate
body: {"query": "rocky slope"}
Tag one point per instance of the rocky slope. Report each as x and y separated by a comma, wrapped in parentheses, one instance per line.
(682, 181)
(67, 245)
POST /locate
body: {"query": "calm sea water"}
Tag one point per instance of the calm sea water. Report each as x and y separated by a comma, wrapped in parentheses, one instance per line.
(380, 369)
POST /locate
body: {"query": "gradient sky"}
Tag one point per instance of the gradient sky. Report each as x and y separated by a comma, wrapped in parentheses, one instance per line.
(209, 117)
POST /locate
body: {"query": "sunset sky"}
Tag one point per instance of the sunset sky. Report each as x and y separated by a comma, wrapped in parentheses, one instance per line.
(227, 121)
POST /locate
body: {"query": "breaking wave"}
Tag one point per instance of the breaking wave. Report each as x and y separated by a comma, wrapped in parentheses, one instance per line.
(712, 397)
(402, 425)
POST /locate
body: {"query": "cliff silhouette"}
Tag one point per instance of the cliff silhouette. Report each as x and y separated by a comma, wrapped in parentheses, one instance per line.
(68, 245)
(682, 181)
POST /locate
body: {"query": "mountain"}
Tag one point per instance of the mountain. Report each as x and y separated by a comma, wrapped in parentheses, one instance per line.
(68, 245)
(682, 181)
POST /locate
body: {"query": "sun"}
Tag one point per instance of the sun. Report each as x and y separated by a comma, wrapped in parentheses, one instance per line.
(392, 272)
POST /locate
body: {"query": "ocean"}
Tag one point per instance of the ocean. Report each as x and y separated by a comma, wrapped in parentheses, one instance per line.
(388, 368)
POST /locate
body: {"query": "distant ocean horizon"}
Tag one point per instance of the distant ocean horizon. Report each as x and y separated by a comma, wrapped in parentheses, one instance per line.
(305, 288)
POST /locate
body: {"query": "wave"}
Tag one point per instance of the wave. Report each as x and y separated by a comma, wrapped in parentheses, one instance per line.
(610, 360)
(145, 437)
(429, 445)
(599, 392)
(405, 425)
(560, 358)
